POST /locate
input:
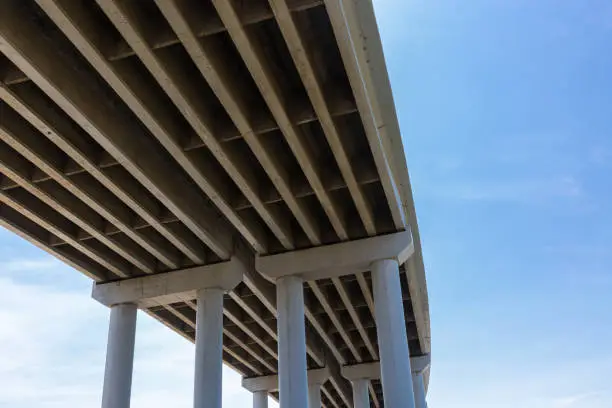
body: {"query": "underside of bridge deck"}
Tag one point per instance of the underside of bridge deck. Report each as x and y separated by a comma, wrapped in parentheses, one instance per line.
(144, 137)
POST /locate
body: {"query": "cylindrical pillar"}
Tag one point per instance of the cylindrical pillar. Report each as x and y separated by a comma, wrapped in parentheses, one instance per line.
(208, 349)
(260, 399)
(119, 357)
(292, 377)
(314, 395)
(361, 398)
(419, 390)
(391, 330)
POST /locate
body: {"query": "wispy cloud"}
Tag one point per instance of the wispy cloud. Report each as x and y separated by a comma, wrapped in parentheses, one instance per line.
(600, 156)
(53, 339)
(24, 264)
(519, 385)
(575, 400)
(45, 346)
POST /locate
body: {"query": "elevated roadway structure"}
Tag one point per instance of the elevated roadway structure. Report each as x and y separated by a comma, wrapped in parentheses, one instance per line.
(234, 169)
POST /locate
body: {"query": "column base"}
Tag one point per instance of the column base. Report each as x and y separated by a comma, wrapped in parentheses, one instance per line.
(209, 349)
(292, 378)
(260, 399)
(391, 330)
(361, 398)
(120, 356)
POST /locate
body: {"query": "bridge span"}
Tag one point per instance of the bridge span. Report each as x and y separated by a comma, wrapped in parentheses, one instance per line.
(234, 169)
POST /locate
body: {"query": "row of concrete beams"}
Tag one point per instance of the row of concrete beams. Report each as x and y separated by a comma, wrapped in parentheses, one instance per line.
(352, 186)
(207, 285)
(186, 214)
(62, 20)
(360, 374)
(123, 146)
(66, 15)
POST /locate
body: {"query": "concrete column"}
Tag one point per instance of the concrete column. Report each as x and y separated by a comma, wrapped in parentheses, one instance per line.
(361, 398)
(419, 390)
(391, 330)
(314, 395)
(260, 399)
(292, 377)
(119, 357)
(209, 349)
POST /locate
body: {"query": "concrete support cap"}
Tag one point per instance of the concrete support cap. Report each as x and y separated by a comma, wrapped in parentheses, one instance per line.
(170, 287)
(269, 383)
(338, 259)
(364, 371)
(371, 371)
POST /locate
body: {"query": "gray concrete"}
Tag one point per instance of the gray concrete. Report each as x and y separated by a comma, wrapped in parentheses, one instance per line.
(260, 399)
(269, 383)
(208, 353)
(418, 386)
(314, 395)
(391, 330)
(316, 379)
(293, 382)
(361, 398)
(119, 357)
(339, 259)
(170, 287)
(158, 202)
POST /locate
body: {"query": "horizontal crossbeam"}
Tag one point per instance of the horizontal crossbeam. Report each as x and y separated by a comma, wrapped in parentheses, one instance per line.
(371, 370)
(269, 383)
(170, 287)
(335, 260)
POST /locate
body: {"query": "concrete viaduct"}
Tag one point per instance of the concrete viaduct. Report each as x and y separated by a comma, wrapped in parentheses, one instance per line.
(234, 169)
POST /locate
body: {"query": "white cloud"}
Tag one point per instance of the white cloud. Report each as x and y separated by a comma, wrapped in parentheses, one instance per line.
(17, 265)
(500, 381)
(575, 400)
(53, 344)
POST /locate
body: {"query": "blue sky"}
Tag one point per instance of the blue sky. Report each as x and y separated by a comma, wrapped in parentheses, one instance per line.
(506, 113)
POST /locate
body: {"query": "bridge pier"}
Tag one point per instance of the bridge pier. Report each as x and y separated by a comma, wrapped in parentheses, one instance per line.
(298, 387)
(314, 395)
(360, 374)
(381, 255)
(293, 384)
(119, 356)
(205, 284)
(419, 366)
(391, 331)
(361, 398)
(260, 399)
(316, 379)
(419, 390)
(208, 349)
